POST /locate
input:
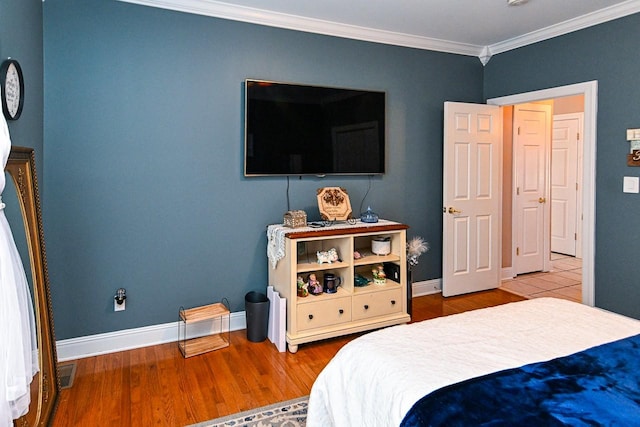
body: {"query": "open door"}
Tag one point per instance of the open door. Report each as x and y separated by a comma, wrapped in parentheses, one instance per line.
(472, 173)
(531, 235)
(565, 184)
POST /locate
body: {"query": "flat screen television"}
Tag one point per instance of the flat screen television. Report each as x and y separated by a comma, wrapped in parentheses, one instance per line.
(293, 129)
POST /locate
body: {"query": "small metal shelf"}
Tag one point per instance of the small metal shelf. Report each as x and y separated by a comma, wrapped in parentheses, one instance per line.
(209, 329)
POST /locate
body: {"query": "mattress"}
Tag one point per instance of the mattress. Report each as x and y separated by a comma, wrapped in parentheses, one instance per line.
(375, 379)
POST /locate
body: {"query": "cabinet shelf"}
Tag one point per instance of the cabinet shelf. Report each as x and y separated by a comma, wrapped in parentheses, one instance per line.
(369, 258)
(306, 267)
(372, 287)
(310, 299)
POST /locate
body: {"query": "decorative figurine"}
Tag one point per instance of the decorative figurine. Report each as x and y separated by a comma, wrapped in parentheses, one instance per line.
(379, 276)
(327, 256)
(357, 255)
(303, 290)
(313, 285)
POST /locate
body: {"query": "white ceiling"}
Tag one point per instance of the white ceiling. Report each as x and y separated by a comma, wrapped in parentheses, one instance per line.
(469, 27)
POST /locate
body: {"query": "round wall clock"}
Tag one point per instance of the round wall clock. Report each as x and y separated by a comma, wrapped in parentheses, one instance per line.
(11, 89)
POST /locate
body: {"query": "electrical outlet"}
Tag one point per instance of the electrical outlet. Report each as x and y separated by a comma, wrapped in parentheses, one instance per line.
(631, 184)
(118, 307)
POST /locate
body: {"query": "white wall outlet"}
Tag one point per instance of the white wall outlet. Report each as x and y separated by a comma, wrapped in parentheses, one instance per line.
(118, 307)
(631, 184)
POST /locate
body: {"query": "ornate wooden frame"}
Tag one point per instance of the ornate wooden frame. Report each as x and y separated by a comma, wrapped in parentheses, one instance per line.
(45, 386)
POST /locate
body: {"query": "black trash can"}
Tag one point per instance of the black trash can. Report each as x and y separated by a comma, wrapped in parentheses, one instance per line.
(256, 306)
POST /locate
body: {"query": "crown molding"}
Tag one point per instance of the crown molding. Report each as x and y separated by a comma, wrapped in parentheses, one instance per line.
(223, 10)
(310, 25)
(601, 16)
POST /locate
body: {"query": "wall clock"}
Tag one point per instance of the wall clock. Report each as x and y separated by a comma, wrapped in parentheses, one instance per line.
(11, 89)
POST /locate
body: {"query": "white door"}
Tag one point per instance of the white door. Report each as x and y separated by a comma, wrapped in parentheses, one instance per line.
(532, 134)
(565, 183)
(472, 172)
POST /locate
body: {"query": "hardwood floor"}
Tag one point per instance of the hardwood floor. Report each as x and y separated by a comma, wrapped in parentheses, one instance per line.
(157, 386)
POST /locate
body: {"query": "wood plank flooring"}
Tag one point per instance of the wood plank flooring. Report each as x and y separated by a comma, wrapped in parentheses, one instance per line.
(157, 386)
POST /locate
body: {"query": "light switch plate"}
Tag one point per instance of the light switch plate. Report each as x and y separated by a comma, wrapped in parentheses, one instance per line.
(631, 184)
(633, 134)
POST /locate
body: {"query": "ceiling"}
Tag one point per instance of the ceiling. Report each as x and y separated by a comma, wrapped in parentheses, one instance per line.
(469, 27)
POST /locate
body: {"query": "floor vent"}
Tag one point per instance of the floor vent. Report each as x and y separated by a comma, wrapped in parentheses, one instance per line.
(67, 373)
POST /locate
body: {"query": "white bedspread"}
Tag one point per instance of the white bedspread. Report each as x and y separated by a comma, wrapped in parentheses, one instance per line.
(375, 379)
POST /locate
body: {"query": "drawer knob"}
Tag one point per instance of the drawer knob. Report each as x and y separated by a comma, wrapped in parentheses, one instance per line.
(393, 302)
(311, 317)
(366, 307)
(341, 311)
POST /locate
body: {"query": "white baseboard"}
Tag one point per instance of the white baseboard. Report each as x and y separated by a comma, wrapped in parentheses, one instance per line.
(128, 339)
(507, 273)
(427, 287)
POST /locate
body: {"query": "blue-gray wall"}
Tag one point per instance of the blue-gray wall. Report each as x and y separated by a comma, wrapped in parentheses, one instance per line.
(144, 143)
(143, 184)
(607, 53)
(21, 39)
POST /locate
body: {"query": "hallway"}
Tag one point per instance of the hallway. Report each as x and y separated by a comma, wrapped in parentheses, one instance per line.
(563, 281)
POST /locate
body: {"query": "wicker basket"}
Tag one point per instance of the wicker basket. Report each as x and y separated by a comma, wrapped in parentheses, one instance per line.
(295, 219)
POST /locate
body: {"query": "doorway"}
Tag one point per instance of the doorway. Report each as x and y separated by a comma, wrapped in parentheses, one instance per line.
(546, 142)
(589, 91)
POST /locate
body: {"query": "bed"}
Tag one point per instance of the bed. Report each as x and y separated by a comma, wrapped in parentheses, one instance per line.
(376, 379)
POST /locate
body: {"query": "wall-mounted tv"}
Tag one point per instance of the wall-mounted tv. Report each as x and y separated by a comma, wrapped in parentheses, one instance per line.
(293, 129)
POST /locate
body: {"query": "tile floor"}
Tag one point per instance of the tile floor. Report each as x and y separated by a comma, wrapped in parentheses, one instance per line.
(563, 281)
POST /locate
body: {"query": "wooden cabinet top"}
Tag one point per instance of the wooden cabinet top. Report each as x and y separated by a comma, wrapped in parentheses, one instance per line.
(382, 226)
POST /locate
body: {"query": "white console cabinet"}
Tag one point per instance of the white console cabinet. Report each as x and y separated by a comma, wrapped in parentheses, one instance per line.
(352, 308)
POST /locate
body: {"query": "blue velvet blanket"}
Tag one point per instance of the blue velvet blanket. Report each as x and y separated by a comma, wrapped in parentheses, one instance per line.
(596, 387)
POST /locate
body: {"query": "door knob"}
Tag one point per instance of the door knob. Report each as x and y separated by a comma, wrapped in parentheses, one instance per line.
(542, 200)
(453, 210)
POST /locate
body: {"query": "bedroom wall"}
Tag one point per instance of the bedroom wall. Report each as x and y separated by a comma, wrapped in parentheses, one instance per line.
(144, 146)
(21, 39)
(606, 53)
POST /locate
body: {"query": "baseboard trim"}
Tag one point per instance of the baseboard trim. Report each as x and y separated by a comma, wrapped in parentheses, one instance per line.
(128, 339)
(507, 273)
(426, 287)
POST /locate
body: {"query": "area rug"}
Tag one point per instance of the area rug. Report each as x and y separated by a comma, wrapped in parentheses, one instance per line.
(292, 413)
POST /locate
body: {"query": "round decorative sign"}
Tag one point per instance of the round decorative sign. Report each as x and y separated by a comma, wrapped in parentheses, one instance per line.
(11, 89)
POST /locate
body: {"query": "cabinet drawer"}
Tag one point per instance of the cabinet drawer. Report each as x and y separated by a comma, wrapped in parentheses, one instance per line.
(323, 313)
(377, 304)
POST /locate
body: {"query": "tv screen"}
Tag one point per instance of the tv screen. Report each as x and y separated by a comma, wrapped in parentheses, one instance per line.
(295, 129)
